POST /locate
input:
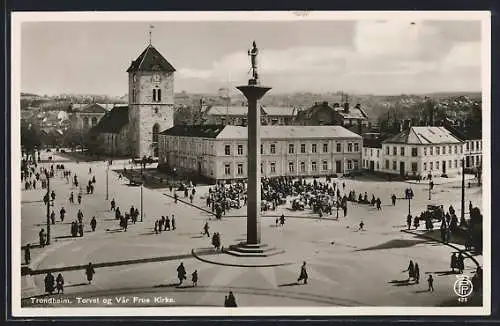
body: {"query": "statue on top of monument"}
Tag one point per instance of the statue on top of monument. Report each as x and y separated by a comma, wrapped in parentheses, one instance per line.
(253, 58)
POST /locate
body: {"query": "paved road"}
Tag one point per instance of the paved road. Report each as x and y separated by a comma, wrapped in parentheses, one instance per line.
(346, 267)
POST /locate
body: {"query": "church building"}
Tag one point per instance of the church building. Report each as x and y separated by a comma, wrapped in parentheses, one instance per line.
(133, 130)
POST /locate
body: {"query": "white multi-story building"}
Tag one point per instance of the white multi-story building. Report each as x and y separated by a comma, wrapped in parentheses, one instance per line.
(422, 151)
(220, 152)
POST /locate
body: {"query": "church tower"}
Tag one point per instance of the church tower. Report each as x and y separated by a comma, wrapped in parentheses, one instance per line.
(151, 101)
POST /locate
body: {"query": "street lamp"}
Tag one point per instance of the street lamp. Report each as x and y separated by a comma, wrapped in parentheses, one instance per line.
(107, 180)
(47, 176)
(409, 195)
(462, 215)
(431, 185)
(337, 196)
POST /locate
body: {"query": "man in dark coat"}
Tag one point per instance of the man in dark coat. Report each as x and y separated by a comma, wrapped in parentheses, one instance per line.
(181, 273)
(27, 254)
(393, 198)
(303, 274)
(93, 223)
(61, 213)
(89, 271)
(49, 283)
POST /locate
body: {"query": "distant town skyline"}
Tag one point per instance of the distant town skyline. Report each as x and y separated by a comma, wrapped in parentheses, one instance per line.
(359, 57)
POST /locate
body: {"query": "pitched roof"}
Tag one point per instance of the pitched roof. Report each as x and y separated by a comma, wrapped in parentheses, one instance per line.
(113, 122)
(93, 108)
(150, 60)
(266, 132)
(354, 113)
(424, 135)
(243, 110)
(280, 110)
(470, 133)
(201, 131)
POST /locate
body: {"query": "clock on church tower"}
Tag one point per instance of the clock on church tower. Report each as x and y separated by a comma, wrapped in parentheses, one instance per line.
(151, 101)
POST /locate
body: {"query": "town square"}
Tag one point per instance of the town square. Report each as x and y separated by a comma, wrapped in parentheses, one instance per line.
(261, 195)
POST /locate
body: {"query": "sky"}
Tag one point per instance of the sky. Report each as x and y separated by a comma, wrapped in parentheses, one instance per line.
(383, 57)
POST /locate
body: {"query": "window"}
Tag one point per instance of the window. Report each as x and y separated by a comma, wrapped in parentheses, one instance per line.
(378, 166)
(339, 147)
(477, 160)
(425, 151)
(356, 147)
(156, 95)
(272, 149)
(455, 149)
(227, 169)
(302, 148)
(387, 164)
(240, 169)
(387, 150)
(313, 166)
(456, 164)
(461, 149)
(467, 145)
(273, 167)
(227, 149)
(438, 149)
(437, 165)
(366, 151)
(471, 146)
(414, 151)
(290, 167)
(156, 130)
(425, 166)
(449, 149)
(290, 150)
(378, 153)
(134, 95)
(371, 152)
(261, 168)
(431, 166)
(449, 164)
(313, 148)
(349, 164)
(402, 151)
(325, 165)
(394, 151)
(223, 121)
(261, 149)
(302, 167)
(431, 151)
(356, 164)
(414, 167)
(394, 165)
(240, 149)
(349, 147)
(325, 148)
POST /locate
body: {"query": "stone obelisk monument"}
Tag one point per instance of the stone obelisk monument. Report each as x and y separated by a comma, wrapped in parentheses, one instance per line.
(253, 92)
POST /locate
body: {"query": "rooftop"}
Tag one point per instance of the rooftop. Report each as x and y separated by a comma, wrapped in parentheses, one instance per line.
(243, 110)
(266, 132)
(424, 135)
(113, 122)
(150, 60)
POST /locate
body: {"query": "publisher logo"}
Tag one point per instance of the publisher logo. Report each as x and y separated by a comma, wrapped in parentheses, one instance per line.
(463, 287)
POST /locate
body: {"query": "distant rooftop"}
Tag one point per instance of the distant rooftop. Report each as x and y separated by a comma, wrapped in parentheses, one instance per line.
(243, 110)
(424, 135)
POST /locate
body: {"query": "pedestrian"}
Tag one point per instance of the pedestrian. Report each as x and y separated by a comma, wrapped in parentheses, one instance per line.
(53, 195)
(27, 254)
(181, 273)
(205, 229)
(156, 227)
(303, 274)
(411, 270)
(89, 271)
(93, 223)
(79, 199)
(62, 212)
(408, 221)
(60, 283)
(175, 198)
(53, 217)
(361, 225)
(460, 263)
(113, 203)
(80, 229)
(41, 237)
(417, 273)
(430, 282)
(173, 222)
(379, 204)
(416, 222)
(282, 220)
(71, 198)
(49, 283)
(230, 301)
(453, 262)
(277, 220)
(166, 221)
(194, 278)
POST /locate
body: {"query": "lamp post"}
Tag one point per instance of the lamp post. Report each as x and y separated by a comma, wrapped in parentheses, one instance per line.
(48, 207)
(142, 182)
(338, 202)
(107, 181)
(462, 214)
(431, 185)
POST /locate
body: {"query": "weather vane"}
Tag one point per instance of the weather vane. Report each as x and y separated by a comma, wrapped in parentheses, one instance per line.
(253, 59)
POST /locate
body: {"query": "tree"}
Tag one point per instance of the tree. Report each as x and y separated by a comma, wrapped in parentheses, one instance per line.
(30, 138)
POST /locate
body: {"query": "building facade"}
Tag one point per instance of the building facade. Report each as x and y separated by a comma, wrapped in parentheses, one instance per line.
(220, 152)
(237, 115)
(150, 109)
(422, 151)
(85, 117)
(325, 114)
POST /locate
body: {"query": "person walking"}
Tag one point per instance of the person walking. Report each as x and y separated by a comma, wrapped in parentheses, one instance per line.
(62, 212)
(430, 282)
(417, 273)
(361, 225)
(113, 203)
(53, 217)
(181, 273)
(156, 227)
(303, 274)
(89, 271)
(60, 283)
(173, 222)
(71, 198)
(93, 223)
(41, 237)
(408, 221)
(205, 229)
(411, 270)
(393, 198)
(460, 263)
(27, 254)
(49, 283)
(79, 199)
(282, 220)
(453, 262)
(194, 278)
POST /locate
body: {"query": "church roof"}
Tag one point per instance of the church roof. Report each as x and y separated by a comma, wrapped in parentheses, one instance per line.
(93, 108)
(201, 131)
(150, 60)
(113, 122)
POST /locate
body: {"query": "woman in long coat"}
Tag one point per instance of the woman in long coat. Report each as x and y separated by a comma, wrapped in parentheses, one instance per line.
(303, 274)
(89, 271)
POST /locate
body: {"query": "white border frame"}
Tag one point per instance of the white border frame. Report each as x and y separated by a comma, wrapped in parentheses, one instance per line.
(20, 17)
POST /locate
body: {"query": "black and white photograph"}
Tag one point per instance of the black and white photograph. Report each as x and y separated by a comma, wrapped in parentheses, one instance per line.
(250, 163)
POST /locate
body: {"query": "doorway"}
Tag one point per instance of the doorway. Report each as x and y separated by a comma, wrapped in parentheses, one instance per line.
(444, 167)
(372, 166)
(338, 166)
(402, 168)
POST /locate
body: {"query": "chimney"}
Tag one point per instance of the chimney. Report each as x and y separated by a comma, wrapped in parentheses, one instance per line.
(346, 107)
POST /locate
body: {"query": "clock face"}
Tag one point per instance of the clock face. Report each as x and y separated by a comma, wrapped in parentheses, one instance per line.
(156, 77)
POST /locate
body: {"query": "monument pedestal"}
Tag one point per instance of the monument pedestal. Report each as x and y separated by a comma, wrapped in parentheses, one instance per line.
(244, 249)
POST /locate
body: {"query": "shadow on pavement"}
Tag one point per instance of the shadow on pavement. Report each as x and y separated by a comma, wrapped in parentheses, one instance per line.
(75, 285)
(65, 237)
(421, 291)
(289, 284)
(169, 285)
(401, 282)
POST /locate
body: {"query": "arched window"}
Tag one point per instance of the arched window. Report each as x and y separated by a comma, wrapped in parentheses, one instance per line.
(85, 122)
(94, 121)
(156, 130)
